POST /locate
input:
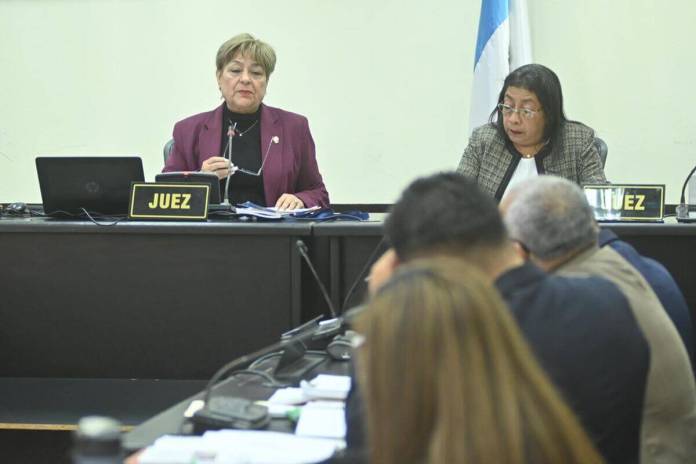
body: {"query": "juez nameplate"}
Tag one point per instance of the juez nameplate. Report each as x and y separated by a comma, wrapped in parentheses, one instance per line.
(168, 201)
(626, 202)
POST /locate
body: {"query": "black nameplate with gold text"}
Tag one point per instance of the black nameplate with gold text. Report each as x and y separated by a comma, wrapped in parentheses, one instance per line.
(168, 201)
(626, 202)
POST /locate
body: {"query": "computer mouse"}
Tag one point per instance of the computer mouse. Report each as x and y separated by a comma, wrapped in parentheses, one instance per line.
(16, 208)
(340, 348)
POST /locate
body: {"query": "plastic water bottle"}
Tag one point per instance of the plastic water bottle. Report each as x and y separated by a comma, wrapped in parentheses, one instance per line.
(97, 440)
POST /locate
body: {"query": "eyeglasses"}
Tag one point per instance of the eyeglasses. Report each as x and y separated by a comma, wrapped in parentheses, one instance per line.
(525, 113)
(273, 140)
(228, 152)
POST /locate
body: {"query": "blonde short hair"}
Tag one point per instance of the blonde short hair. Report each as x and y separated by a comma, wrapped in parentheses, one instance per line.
(246, 45)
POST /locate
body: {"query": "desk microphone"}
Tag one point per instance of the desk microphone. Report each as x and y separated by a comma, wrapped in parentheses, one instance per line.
(233, 412)
(302, 248)
(683, 207)
(232, 129)
(361, 274)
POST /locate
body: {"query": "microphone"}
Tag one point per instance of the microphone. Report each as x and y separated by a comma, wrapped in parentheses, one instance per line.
(359, 277)
(232, 129)
(683, 207)
(233, 412)
(302, 248)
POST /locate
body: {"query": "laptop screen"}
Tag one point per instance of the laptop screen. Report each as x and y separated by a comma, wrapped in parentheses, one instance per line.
(98, 184)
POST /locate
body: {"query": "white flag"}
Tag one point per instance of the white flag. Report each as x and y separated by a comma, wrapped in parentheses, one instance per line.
(503, 45)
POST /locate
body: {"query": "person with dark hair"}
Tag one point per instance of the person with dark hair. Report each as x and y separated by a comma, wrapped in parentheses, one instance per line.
(473, 391)
(528, 134)
(580, 329)
(552, 218)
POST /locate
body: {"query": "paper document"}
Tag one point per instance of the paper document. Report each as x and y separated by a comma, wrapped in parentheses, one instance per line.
(332, 387)
(325, 419)
(253, 209)
(239, 447)
(288, 395)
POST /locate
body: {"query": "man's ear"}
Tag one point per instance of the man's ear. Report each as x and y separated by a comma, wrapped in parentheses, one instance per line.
(521, 250)
(382, 270)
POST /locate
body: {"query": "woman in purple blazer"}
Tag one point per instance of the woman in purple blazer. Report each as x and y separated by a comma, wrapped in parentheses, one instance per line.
(270, 152)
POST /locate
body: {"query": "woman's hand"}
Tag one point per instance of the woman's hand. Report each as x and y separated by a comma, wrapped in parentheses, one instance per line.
(288, 201)
(219, 166)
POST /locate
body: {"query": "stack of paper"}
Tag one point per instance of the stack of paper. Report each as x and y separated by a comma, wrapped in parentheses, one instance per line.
(320, 431)
(329, 387)
(251, 209)
(239, 447)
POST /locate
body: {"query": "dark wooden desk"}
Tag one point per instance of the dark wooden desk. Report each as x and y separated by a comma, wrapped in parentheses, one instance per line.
(91, 316)
(142, 300)
(58, 404)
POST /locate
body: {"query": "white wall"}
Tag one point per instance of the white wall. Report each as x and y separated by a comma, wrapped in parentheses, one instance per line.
(385, 84)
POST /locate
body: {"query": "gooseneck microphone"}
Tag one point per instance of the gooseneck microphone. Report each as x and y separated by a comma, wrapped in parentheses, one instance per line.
(683, 207)
(234, 412)
(302, 248)
(228, 155)
(360, 277)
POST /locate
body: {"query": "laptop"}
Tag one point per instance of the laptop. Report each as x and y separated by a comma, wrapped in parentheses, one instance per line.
(97, 184)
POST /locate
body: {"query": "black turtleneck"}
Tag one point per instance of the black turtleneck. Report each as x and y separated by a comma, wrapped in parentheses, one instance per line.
(246, 154)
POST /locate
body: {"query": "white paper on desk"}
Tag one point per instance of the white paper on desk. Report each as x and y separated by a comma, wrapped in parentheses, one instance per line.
(331, 387)
(240, 447)
(323, 419)
(262, 213)
(290, 212)
(171, 449)
(288, 395)
(251, 447)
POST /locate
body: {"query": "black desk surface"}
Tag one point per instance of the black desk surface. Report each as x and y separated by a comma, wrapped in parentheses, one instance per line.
(143, 300)
(58, 404)
(249, 387)
(215, 226)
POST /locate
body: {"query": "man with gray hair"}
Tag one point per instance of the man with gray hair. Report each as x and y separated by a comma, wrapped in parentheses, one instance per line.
(554, 226)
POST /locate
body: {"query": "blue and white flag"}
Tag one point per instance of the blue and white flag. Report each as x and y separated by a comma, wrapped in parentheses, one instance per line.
(502, 46)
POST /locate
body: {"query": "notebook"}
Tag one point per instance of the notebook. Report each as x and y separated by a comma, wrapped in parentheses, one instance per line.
(98, 184)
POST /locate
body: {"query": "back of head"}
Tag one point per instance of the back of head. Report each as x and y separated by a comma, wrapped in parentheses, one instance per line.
(448, 377)
(550, 216)
(444, 212)
(544, 83)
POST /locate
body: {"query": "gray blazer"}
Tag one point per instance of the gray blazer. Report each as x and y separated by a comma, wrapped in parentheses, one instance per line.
(573, 155)
(668, 429)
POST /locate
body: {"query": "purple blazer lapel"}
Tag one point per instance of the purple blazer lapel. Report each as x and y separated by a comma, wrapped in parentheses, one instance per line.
(273, 182)
(209, 142)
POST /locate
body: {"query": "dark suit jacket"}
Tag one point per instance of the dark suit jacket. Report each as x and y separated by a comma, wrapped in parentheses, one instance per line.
(489, 162)
(668, 429)
(662, 283)
(585, 337)
(291, 166)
